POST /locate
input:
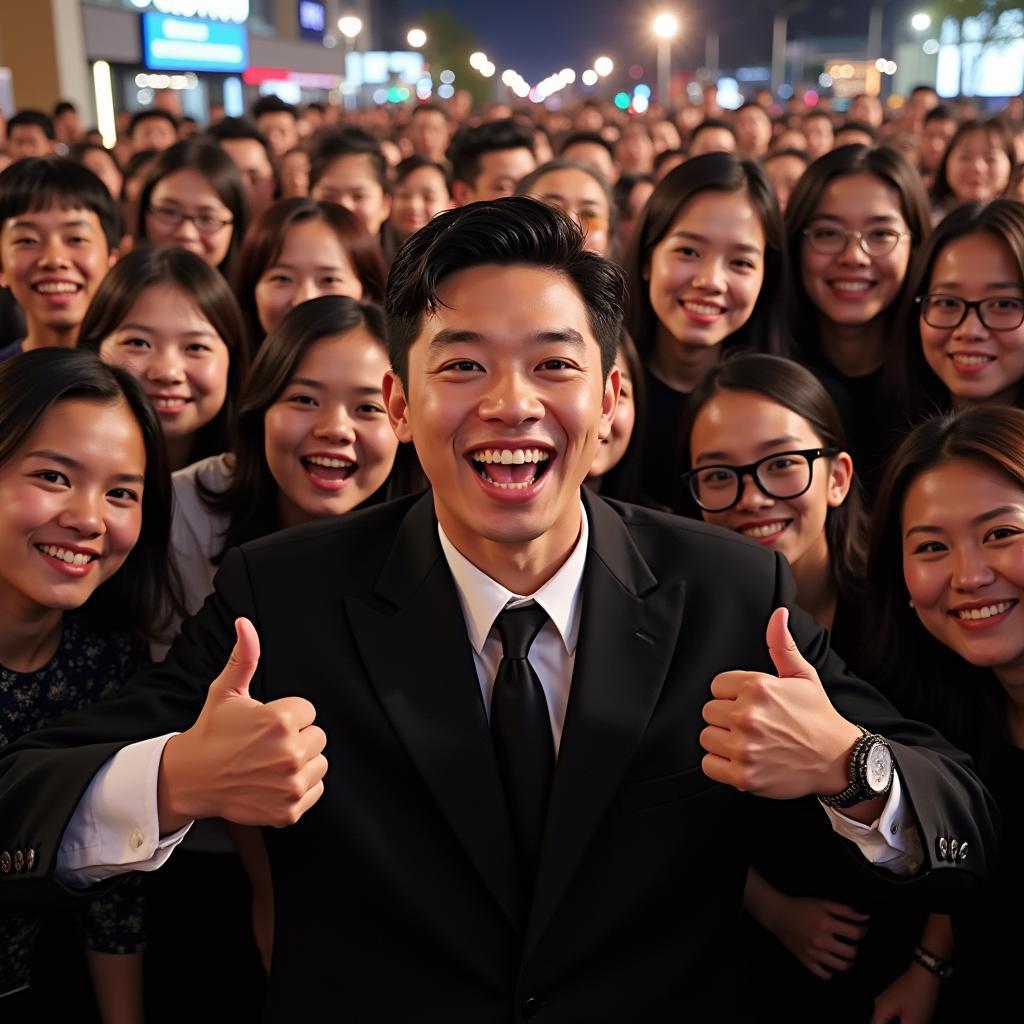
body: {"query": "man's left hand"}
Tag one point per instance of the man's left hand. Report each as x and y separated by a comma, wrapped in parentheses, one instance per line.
(777, 737)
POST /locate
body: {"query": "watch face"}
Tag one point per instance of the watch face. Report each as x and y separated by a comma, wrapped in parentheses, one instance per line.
(879, 767)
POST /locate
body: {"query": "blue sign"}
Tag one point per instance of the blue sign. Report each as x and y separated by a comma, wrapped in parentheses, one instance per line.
(312, 19)
(188, 44)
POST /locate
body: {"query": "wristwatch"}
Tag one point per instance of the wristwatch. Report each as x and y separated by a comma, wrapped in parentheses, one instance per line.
(871, 768)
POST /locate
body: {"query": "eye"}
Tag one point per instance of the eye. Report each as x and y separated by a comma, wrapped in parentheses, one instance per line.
(826, 234)
(278, 279)
(138, 343)
(556, 363)
(930, 547)
(123, 494)
(1002, 533)
(1006, 305)
(743, 263)
(463, 366)
(883, 235)
(301, 399)
(688, 252)
(370, 409)
(198, 348)
(52, 476)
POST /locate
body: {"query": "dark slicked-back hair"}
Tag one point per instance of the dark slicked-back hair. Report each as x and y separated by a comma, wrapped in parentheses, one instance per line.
(42, 182)
(467, 149)
(509, 231)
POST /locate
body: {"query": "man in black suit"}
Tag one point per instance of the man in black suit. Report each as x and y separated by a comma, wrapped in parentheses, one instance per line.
(434, 872)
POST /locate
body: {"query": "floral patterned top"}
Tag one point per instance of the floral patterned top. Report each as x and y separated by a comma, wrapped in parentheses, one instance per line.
(87, 666)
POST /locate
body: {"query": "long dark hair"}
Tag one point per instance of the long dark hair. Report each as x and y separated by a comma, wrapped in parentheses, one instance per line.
(175, 268)
(924, 678)
(139, 597)
(914, 390)
(797, 389)
(885, 164)
(250, 502)
(265, 240)
(219, 170)
(941, 192)
(712, 172)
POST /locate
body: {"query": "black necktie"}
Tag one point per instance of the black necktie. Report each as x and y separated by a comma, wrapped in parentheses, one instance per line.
(521, 730)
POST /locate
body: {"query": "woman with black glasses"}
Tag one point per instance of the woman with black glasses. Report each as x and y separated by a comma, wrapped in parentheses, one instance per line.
(768, 459)
(964, 315)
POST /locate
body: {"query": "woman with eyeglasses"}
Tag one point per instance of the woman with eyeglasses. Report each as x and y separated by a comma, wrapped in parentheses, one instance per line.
(580, 191)
(851, 224)
(768, 460)
(964, 315)
(194, 199)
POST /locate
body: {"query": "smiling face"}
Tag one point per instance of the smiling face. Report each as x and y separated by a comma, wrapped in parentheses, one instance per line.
(963, 561)
(188, 192)
(506, 406)
(580, 196)
(70, 506)
(173, 351)
(53, 261)
(977, 167)
(351, 182)
(852, 287)
(312, 262)
(420, 196)
(975, 363)
(613, 447)
(327, 439)
(706, 273)
(736, 428)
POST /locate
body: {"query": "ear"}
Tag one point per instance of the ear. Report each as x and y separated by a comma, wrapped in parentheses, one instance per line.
(840, 479)
(609, 400)
(115, 255)
(397, 406)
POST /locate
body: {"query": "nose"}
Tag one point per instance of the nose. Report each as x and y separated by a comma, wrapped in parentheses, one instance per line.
(83, 513)
(307, 289)
(971, 326)
(54, 253)
(335, 425)
(853, 253)
(511, 398)
(166, 367)
(752, 498)
(710, 276)
(970, 570)
(186, 230)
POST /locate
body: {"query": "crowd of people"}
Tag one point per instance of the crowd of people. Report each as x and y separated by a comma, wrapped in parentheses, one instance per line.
(821, 350)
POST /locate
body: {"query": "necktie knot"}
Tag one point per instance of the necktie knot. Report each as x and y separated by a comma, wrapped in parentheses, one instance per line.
(518, 628)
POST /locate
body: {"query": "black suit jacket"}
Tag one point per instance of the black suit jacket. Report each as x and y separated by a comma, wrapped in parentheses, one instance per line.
(395, 892)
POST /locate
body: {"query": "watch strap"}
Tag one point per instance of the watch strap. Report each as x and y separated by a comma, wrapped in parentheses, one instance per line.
(857, 789)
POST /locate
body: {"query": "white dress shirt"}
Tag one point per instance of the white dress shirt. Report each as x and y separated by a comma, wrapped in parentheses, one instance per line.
(115, 826)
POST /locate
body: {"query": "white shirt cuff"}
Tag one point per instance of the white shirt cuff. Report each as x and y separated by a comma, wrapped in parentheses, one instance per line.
(116, 825)
(891, 841)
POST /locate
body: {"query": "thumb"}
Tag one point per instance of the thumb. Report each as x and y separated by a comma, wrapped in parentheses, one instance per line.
(241, 667)
(786, 656)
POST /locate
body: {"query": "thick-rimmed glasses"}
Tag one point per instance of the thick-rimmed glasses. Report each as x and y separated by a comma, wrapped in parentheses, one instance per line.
(205, 223)
(999, 313)
(831, 241)
(782, 475)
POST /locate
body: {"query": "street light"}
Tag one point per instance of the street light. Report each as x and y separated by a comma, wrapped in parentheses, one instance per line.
(349, 26)
(604, 66)
(920, 21)
(417, 38)
(665, 26)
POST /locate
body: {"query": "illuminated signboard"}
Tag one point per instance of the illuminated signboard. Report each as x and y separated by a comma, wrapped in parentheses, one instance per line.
(211, 10)
(180, 44)
(312, 19)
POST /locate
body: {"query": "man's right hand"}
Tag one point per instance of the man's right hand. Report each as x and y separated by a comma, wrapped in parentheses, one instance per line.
(251, 763)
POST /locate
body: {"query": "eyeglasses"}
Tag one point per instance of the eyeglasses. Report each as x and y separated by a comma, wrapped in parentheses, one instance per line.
(782, 475)
(831, 241)
(205, 223)
(1001, 313)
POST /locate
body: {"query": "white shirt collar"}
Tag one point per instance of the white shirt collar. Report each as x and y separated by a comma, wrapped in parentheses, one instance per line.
(483, 598)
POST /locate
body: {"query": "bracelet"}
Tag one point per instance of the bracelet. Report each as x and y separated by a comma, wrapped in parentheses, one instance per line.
(942, 969)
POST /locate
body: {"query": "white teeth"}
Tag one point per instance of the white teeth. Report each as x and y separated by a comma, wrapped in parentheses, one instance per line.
(702, 310)
(768, 530)
(56, 288)
(320, 460)
(508, 457)
(70, 557)
(851, 286)
(987, 612)
(968, 360)
(511, 487)
(169, 403)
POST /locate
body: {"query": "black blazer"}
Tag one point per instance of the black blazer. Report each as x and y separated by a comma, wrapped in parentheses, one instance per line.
(395, 893)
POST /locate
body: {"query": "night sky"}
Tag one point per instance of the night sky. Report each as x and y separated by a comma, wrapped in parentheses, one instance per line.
(539, 37)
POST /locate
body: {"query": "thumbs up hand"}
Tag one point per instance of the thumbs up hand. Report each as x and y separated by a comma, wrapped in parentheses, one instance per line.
(779, 736)
(251, 763)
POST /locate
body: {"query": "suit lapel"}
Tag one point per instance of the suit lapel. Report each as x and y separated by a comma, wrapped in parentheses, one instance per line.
(413, 640)
(628, 634)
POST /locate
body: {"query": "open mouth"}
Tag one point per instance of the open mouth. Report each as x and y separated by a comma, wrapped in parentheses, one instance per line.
(168, 405)
(851, 289)
(327, 472)
(983, 613)
(511, 469)
(764, 532)
(970, 361)
(702, 312)
(56, 289)
(74, 561)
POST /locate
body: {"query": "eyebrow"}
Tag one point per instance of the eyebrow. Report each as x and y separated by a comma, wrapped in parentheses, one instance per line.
(564, 335)
(70, 463)
(318, 385)
(764, 446)
(202, 333)
(291, 266)
(874, 219)
(79, 222)
(994, 284)
(702, 238)
(995, 513)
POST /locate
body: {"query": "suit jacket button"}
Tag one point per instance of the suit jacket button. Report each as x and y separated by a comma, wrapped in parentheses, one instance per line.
(963, 852)
(954, 848)
(19, 860)
(942, 847)
(5, 862)
(30, 859)
(531, 1007)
